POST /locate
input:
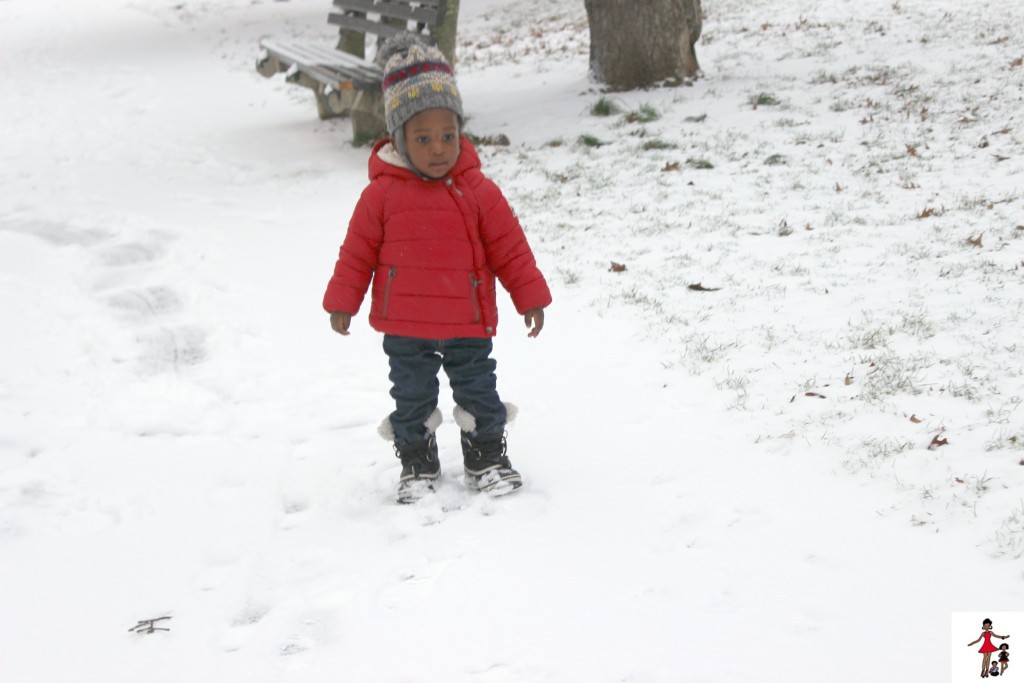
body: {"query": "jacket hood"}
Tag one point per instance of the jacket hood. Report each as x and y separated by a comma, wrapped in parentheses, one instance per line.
(383, 162)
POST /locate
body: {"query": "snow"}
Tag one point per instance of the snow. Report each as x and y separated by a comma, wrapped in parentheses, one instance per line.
(730, 485)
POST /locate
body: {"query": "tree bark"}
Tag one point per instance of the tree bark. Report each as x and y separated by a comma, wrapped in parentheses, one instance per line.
(445, 32)
(637, 43)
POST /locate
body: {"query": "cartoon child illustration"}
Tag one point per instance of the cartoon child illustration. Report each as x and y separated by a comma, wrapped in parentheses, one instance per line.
(987, 648)
(1004, 657)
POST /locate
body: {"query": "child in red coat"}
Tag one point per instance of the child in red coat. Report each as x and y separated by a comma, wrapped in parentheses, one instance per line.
(432, 235)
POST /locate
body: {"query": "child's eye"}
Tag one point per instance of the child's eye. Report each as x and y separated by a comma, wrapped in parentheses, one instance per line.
(423, 140)
(449, 137)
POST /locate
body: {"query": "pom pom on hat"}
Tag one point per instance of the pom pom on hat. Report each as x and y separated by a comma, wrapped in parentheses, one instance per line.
(417, 77)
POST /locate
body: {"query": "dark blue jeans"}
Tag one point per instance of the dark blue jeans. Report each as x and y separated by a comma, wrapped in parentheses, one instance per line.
(414, 367)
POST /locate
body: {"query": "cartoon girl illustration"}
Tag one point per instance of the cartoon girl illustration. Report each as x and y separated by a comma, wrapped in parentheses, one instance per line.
(987, 647)
(1004, 657)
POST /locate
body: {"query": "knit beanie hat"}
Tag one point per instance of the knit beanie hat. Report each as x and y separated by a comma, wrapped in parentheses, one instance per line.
(417, 77)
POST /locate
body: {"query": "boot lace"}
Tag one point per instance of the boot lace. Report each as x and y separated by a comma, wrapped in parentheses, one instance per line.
(488, 450)
(417, 456)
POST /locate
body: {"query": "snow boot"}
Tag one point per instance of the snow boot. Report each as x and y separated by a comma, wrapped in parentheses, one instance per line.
(487, 466)
(420, 469)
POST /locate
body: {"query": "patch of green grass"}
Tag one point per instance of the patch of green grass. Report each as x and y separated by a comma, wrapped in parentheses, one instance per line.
(870, 336)
(842, 104)
(1010, 536)
(884, 449)
(917, 323)
(699, 350)
(588, 140)
(659, 144)
(893, 374)
(1004, 413)
(764, 99)
(570, 277)
(645, 114)
(605, 107)
(702, 164)
(775, 160)
(499, 140)
(822, 77)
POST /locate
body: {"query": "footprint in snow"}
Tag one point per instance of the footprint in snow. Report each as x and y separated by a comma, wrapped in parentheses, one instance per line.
(243, 627)
(172, 348)
(130, 254)
(57, 234)
(307, 631)
(144, 305)
(293, 508)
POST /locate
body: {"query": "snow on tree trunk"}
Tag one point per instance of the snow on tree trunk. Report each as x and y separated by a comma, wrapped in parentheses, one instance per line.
(636, 43)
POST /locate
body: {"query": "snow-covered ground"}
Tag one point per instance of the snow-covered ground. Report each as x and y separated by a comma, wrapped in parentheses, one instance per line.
(800, 475)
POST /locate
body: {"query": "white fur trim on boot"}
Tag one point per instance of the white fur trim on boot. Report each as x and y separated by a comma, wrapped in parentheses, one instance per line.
(467, 422)
(387, 431)
(434, 421)
(464, 419)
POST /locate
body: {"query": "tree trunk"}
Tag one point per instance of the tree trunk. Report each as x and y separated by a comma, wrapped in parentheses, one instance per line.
(637, 43)
(445, 32)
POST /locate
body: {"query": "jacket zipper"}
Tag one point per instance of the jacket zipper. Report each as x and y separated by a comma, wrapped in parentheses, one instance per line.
(476, 301)
(387, 291)
(451, 183)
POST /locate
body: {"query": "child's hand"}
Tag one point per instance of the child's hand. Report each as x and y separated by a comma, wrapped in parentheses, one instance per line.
(535, 318)
(340, 322)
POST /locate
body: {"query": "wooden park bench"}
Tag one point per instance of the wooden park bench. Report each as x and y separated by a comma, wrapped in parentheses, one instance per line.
(341, 78)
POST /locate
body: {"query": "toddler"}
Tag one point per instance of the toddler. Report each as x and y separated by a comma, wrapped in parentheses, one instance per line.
(429, 237)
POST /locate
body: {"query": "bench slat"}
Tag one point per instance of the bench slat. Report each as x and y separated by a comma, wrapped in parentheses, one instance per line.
(437, 4)
(314, 55)
(325, 65)
(398, 10)
(365, 25)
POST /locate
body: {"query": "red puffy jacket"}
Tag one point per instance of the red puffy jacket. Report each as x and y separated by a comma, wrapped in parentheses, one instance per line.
(433, 249)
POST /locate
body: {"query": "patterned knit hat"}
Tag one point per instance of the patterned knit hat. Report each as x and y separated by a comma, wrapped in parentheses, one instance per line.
(417, 77)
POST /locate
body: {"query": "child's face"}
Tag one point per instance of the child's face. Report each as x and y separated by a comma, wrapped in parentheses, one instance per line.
(432, 138)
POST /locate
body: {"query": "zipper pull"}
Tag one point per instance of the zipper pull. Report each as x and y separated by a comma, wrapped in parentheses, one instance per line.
(449, 183)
